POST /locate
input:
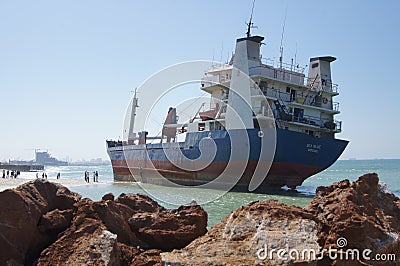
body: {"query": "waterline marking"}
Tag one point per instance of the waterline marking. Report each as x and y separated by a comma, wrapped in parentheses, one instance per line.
(309, 254)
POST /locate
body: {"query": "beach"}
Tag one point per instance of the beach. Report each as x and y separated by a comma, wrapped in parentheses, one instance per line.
(7, 183)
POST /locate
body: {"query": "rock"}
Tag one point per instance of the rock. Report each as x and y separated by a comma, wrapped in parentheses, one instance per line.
(138, 257)
(55, 221)
(342, 217)
(257, 227)
(363, 215)
(115, 217)
(148, 258)
(134, 243)
(26, 207)
(88, 243)
(108, 196)
(139, 202)
(170, 229)
(46, 224)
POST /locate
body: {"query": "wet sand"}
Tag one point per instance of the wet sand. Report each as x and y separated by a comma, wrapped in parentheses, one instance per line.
(6, 183)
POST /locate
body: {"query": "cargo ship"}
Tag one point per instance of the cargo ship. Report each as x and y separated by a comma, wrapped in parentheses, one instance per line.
(286, 128)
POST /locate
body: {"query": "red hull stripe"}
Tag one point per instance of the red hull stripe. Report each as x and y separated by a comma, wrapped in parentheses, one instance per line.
(281, 173)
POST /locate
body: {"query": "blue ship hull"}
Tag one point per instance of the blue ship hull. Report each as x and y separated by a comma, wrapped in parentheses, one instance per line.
(297, 157)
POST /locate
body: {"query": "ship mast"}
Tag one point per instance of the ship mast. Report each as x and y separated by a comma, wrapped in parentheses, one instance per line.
(131, 133)
(250, 24)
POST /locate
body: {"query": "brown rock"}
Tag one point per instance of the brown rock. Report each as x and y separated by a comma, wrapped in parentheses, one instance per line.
(147, 258)
(21, 211)
(115, 217)
(55, 221)
(108, 221)
(46, 219)
(88, 243)
(249, 229)
(362, 212)
(170, 229)
(139, 202)
(108, 196)
(139, 257)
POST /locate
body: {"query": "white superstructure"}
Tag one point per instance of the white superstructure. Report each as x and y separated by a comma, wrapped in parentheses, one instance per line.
(298, 103)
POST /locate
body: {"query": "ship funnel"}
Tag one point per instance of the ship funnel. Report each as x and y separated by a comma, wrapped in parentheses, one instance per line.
(319, 73)
(247, 54)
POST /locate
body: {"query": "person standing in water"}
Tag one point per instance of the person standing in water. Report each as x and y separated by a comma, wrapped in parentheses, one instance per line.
(87, 176)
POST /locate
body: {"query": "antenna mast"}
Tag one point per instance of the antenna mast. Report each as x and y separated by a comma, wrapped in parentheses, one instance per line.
(281, 47)
(250, 24)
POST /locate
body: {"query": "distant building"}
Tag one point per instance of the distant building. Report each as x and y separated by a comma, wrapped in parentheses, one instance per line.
(44, 158)
(92, 162)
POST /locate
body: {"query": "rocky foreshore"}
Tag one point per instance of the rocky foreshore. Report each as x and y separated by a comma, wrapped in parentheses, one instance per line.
(347, 223)
(44, 223)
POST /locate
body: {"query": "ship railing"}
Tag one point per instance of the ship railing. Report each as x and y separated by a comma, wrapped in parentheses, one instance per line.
(326, 84)
(277, 73)
(332, 86)
(211, 80)
(328, 124)
(304, 98)
(287, 66)
(263, 111)
(112, 143)
(316, 100)
(291, 73)
(270, 92)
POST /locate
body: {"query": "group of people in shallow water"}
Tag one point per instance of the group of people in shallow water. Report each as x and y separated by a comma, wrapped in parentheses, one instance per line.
(95, 176)
(44, 175)
(10, 174)
(15, 174)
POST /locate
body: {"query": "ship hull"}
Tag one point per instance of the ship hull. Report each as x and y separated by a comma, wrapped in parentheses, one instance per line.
(297, 157)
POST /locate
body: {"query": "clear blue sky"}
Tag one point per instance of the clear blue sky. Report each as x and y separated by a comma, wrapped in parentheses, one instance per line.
(67, 68)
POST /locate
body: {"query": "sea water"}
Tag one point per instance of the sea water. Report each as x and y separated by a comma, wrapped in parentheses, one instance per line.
(217, 209)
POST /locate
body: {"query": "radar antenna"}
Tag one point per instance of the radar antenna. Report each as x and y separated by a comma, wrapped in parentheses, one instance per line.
(250, 24)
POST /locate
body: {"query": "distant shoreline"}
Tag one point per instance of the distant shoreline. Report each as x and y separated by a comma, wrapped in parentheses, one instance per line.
(8, 183)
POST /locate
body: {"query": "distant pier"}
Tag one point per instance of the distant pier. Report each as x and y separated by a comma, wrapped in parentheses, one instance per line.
(21, 167)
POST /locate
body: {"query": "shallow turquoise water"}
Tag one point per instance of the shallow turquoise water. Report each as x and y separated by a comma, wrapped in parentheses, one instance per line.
(388, 171)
